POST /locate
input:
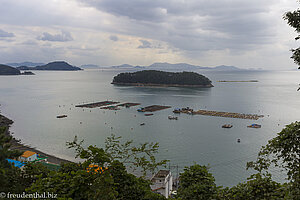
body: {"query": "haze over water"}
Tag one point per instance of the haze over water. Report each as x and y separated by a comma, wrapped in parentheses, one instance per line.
(33, 102)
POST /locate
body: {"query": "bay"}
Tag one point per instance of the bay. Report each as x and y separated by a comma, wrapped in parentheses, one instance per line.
(33, 102)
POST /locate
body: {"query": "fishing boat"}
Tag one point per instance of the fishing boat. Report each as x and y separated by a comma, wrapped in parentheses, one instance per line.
(148, 114)
(172, 117)
(227, 126)
(61, 116)
(254, 126)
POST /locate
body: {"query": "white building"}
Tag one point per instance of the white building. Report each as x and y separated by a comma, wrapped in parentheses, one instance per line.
(28, 156)
(162, 183)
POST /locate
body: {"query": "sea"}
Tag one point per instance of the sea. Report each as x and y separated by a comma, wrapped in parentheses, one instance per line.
(33, 102)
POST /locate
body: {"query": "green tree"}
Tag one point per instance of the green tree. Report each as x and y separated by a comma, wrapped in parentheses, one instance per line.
(197, 183)
(293, 19)
(282, 151)
(102, 174)
(10, 176)
(257, 187)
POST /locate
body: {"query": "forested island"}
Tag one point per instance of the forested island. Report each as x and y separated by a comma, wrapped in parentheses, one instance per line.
(8, 70)
(161, 78)
(55, 66)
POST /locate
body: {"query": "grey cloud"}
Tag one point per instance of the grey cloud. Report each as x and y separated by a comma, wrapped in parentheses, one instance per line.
(5, 34)
(63, 37)
(113, 38)
(195, 25)
(145, 44)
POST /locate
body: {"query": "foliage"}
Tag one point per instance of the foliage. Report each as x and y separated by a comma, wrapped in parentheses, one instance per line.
(282, 151)
(10, 176)
(197, 183)
(136, 157)
(161, 77)
(102, 175)
(293, 19)
(256, 188)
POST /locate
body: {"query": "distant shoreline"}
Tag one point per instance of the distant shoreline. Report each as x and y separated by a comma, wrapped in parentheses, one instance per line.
(161, 85)
(17, 145)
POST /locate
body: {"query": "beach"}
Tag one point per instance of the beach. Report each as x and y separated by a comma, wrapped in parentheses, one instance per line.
(17, 145)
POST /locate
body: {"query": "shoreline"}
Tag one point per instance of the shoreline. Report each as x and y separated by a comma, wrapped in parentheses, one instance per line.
(162, 85)
(17, 145)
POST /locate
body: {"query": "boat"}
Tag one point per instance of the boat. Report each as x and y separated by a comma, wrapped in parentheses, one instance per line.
(142, 124)
(148, 114)
(227, 126)
(177, 111)
(61, 116)
(238, 140)
(141, 110)
(172, 117)
(254, 126)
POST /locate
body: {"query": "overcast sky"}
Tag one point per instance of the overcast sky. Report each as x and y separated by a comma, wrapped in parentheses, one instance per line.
(246, 34)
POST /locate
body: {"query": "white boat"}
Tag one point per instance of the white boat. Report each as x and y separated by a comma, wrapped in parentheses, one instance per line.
(172, 117)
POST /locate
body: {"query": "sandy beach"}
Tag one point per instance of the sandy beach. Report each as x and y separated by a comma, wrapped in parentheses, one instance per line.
(16, 144)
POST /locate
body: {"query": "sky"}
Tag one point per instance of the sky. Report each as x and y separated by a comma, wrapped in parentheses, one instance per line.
(246, 34)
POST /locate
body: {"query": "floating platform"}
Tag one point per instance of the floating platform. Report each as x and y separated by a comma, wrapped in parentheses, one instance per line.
(111, 108)
(153, 108)
(220, 114)
(128, 105)
(97, 104)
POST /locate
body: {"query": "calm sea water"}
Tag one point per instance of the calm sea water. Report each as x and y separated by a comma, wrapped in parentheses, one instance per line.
(33, 102)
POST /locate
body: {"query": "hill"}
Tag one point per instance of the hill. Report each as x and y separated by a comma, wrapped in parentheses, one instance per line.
(28, 64)
(8, 70)
(161, 78)
(176, 67)
(55, 66)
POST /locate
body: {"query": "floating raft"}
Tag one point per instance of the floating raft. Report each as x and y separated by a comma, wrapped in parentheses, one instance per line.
(128, 105)
(222, 114)
(97, 104)
(228, 114)
(153, 108)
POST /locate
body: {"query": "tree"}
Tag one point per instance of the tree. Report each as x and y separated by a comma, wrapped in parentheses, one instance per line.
(102, 174)
(256, 188)
(10, 176)
(293, 19)
(282, 151)
(197, 183)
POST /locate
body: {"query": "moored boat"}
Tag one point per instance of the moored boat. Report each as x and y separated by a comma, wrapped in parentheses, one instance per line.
(227, 126)
(61, 116)
(254, 126)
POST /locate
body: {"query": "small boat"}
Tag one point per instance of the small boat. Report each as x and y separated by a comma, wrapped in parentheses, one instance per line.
(177, 111)
(172, 117)
(142, 124)
(148, 114)
(238, 140)
(141, 110)
(227, 126)
(61, 116)
(254, 126)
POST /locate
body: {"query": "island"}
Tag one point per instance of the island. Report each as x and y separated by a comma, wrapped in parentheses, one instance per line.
(8, 70)
(162, 78)
(54, 66)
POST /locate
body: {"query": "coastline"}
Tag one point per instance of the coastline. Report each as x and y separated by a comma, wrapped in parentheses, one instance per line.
(17, 145)
(162, 85)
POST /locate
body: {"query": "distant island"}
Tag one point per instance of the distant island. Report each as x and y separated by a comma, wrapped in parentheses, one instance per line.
(8, 70)
(161, 78)
(175, 67)
(55, 66)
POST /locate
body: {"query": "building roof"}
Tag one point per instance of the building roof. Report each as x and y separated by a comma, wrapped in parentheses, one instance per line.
(161, 174)
(27, 154)
(16, 163)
